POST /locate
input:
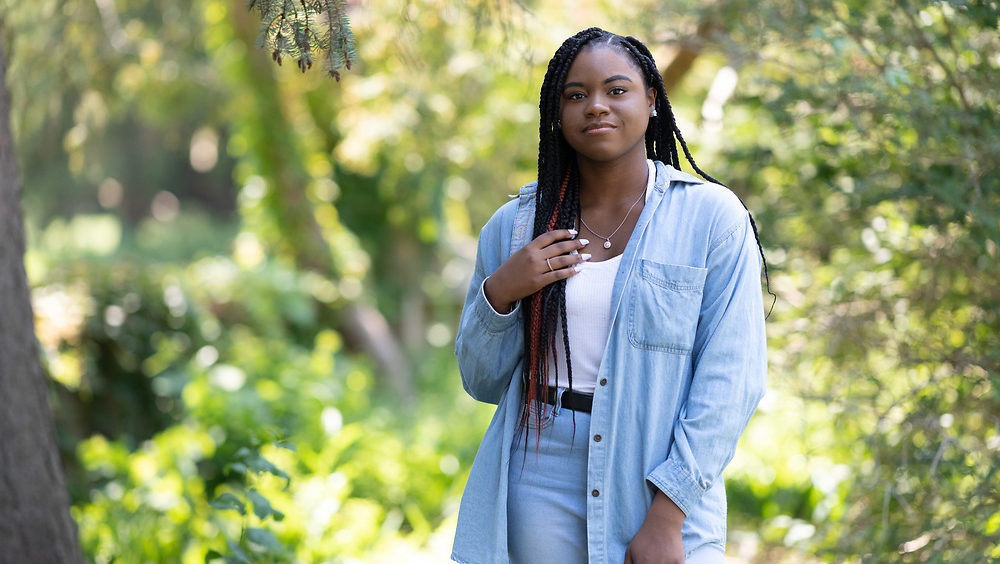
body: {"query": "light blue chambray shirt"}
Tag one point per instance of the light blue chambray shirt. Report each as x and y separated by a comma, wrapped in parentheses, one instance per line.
(683, 370)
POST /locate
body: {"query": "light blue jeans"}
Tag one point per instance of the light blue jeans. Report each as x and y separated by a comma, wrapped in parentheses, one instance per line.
(547, 490)
(547, 494)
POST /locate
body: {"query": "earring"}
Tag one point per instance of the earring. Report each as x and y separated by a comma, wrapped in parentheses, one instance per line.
(653, 113)
(559, 124)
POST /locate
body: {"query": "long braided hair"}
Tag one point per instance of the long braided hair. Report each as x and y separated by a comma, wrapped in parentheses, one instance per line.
(557, 199)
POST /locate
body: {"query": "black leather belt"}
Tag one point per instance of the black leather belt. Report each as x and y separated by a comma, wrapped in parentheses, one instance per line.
(572, 400)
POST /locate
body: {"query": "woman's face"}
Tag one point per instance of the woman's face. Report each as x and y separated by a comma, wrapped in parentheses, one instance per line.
(605, 106)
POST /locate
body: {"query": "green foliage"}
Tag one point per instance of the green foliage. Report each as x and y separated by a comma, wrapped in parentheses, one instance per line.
(357, 477)
(866, 149)
(201, 218)
(299, 30)
(119, 70)
(254, 544)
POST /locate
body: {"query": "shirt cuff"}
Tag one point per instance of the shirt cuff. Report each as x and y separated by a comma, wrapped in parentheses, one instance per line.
(492, 320)
(677, 484)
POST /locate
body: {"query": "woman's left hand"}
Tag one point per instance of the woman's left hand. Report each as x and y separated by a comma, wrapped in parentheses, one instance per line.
(659, 538)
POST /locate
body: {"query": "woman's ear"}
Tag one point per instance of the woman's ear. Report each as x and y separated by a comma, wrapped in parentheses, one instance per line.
(651, 98)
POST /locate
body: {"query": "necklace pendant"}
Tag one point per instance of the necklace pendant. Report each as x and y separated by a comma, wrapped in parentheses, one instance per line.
(607, 244)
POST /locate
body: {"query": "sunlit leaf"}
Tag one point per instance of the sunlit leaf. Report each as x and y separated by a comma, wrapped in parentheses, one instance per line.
(237, 552)
(264, 538)
(229, 501)
(262, 506)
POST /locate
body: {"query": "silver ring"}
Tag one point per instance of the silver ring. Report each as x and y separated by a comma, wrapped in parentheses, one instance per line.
(550, 265)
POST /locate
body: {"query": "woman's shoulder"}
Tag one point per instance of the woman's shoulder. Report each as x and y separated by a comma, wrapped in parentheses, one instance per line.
(502, 220)
(702, 195)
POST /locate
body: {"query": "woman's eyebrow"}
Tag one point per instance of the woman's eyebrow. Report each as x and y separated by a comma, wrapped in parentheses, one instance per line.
(606, 80)
(617, 77)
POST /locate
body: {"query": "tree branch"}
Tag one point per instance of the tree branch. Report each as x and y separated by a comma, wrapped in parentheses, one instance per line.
(926, 44)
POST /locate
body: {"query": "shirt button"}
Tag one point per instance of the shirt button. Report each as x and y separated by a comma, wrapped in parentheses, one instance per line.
(595, 493)
(604, 381)
(597, 438)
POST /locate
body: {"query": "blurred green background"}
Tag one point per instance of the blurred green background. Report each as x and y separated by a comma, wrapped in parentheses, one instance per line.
(247, 280)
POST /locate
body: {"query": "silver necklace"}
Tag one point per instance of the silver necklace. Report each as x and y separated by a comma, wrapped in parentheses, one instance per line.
(607, 240)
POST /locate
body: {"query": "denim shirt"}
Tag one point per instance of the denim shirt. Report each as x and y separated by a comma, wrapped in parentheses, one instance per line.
(682, 372)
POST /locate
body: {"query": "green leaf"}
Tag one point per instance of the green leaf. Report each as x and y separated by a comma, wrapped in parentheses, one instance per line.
(212, 555)
(266, 539)
(258, 463)
(262, 507)
(287, 445)
(229, 501)
(239, 554)
(993, 524)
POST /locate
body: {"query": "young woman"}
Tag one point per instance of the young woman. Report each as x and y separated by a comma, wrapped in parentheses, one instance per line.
(615, 318)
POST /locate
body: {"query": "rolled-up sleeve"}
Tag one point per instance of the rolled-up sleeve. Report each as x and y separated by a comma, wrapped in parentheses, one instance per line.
(729, 361)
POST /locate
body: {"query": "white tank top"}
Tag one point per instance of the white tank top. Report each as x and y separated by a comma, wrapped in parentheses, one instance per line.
(588, 316)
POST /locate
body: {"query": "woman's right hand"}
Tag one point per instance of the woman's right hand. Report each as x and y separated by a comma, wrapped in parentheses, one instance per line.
(546, 259)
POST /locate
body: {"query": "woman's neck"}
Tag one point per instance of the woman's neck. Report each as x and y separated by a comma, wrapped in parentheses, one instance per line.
(612, 184)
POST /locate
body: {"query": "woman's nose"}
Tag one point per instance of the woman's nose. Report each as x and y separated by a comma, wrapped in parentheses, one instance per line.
(597, 108)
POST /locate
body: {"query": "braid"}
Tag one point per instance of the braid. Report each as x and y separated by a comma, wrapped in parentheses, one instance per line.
(555, 208)
(539, 325)
(557, 196)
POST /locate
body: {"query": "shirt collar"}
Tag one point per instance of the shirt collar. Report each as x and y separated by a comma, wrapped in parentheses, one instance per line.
(665, 174)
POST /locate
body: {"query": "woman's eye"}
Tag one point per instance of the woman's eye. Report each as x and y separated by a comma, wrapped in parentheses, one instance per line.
(575, 96)
(617, 91)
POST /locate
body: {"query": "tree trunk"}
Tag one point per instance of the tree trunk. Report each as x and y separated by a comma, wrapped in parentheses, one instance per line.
(35, 524)
(689, 49)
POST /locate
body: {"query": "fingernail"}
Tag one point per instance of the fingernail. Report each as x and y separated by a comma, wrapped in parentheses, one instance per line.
(573, 232)
(585, 256)
(584, 242)
(574, 252)
(576, 268)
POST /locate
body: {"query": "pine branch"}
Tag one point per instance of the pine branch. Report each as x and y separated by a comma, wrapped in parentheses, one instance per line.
(306, 30)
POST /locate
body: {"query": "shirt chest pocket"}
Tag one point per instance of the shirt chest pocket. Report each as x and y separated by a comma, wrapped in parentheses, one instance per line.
(664, 304)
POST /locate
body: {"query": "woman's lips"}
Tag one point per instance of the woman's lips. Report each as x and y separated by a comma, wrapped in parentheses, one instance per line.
(598, 129)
